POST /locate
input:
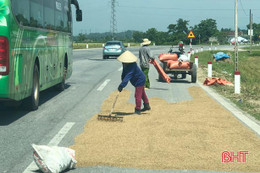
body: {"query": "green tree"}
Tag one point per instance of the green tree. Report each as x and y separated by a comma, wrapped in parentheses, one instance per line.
(138, 36)
(222, 35)
(172, 29)
(178, 32)
(182, 26)
(256, 31)
(81, 38)
(206, 29)
(152, 34)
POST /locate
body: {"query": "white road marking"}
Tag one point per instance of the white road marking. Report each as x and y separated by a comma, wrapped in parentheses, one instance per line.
(120, 69)
(54, 142)
(61, 134)
(103, 85)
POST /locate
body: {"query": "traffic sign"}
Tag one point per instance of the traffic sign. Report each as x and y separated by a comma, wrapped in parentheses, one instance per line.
(251, 32)
(191, 35)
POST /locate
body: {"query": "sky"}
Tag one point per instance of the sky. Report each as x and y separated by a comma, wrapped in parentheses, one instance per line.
(141, 15)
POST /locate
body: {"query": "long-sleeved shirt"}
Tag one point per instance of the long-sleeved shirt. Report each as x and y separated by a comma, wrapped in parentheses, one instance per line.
(133, 73)
(145, 55)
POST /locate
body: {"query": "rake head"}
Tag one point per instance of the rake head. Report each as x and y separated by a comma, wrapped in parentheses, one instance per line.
(110, 118)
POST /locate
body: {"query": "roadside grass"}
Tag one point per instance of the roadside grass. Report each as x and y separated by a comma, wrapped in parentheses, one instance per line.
(254, 48)
(90, 45)
(97, 45)
(249, 67)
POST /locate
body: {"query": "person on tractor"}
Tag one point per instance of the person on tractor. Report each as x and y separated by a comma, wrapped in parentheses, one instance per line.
(181, 48)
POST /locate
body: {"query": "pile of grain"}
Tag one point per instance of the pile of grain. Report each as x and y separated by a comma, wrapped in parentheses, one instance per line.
(187, 135)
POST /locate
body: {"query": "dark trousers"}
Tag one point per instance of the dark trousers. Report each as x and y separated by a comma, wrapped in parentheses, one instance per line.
(139, 96)
(147, 81)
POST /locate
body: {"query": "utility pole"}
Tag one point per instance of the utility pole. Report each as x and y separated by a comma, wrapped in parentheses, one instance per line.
(113, 19)
(236, 39)
(237, 73)
(251, 30)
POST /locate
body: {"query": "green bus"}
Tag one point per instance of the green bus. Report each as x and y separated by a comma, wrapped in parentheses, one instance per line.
(35, 47)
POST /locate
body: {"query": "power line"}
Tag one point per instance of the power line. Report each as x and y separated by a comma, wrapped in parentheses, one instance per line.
(113, 23)
(243, 8)
(193, 9)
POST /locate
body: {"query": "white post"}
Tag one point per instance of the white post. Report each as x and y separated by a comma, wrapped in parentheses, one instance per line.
(87, 46)
(197, 61)
(103, 45)
(189, 55)
(153, 44)
(201, 49)
(128, 44)
(215, 47)
(192, 52)
(237, 82)
(210, 69)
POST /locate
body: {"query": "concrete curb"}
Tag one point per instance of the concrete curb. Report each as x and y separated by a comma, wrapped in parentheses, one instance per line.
(242, 116)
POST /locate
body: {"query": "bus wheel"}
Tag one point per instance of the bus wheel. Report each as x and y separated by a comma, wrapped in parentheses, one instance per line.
(61, 86)
(32, 102)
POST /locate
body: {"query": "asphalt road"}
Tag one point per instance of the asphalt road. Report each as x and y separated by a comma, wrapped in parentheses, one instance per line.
(62, 116)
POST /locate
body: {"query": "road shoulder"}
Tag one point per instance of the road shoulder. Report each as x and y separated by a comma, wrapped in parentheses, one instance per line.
(242, 116)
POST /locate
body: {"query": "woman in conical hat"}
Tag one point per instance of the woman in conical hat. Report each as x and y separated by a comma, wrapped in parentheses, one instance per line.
(131, 72)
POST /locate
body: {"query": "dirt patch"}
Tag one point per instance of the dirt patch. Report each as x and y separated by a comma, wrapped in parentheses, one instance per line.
(189, 135)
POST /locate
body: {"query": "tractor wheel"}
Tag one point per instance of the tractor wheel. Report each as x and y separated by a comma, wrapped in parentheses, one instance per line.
(194, 74)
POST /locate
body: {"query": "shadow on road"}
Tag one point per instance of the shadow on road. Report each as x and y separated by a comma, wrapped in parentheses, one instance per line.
(13, 111)
(97, 59)
(100, 59)
(123, 113)
(127, 113)
(177, 81)
(161, 89)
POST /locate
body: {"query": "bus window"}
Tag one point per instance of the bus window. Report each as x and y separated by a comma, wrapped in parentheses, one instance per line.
(59, 23)
(36, 19)
(66, 15)
(21, 11)
(48, 6)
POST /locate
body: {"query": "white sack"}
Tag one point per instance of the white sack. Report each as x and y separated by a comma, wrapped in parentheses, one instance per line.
(184, 58)
(53, 159)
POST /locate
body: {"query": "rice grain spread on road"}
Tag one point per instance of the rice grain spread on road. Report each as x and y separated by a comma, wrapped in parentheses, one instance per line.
(189, 135)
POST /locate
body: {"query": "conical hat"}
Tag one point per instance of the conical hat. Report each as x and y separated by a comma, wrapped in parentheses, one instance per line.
(146, 41)
(127, 57)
